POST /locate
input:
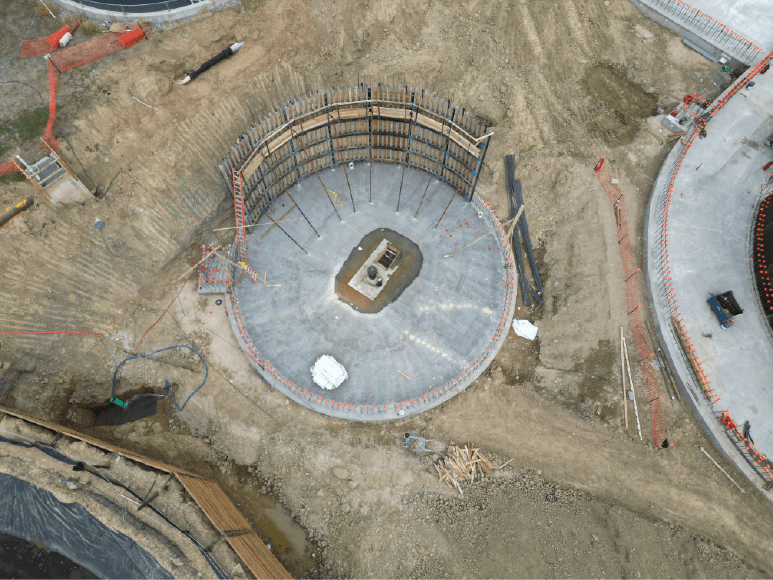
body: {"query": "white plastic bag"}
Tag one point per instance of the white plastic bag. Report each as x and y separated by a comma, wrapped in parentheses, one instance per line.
(328, 373)
(525, 329)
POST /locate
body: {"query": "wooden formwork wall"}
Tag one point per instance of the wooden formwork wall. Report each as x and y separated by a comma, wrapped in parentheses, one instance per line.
(358, 123)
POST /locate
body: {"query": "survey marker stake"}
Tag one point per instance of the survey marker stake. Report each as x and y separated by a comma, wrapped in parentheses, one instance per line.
(211, 62)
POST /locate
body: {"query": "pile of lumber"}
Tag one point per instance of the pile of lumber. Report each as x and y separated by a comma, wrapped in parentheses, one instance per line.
(463, 464)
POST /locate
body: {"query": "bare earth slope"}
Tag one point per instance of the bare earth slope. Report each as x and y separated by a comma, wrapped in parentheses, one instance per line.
(561, 83)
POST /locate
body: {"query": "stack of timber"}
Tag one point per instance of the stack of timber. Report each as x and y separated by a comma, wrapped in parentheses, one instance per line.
(463, 464)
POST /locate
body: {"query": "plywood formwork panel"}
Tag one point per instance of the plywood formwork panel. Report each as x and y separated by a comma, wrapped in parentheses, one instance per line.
(232, 524)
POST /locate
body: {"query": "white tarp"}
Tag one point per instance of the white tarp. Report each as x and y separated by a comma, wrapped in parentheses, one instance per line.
(525, 329)
(328, 373)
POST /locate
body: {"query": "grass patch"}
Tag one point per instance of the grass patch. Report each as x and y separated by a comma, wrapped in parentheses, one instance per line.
(88, 26)
(13, 178)
(43, 8)
(32, 123)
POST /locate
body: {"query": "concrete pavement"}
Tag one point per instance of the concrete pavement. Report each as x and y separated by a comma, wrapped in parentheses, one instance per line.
(710, 217)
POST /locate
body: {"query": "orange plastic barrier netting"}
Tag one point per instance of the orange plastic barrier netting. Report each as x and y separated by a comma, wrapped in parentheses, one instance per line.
(77, 55)
(632, 302)
(41, 46)
(102, 45)
(9, 168)
(53, 82)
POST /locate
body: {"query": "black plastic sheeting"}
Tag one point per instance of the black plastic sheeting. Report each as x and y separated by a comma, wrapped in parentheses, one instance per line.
(219, 572)
(34, 514)
(22, 559)
(136, 6)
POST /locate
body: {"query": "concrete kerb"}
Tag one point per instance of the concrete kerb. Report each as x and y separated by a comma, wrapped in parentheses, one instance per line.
(160, 16)
(655, 236)
(391, 410)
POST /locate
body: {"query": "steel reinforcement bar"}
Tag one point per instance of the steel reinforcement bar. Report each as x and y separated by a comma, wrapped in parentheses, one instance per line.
(393, 124)
(708, 28)
(760, 247)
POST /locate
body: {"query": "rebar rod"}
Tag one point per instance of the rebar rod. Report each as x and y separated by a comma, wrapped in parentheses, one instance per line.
(343, 163)
(317, 174)
(303, 214)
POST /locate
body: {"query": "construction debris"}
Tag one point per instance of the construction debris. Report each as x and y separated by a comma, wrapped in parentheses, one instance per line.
(211, 62)
(525, 329)
(328, 373)
(415, 443)
(521, 233)
(462, 464)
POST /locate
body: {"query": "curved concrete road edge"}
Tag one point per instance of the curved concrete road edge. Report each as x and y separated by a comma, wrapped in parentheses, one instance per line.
(691, 392)
(99, 15)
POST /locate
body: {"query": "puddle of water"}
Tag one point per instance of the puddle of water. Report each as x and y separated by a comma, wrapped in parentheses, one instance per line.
(278, 524)
(409, 262)
(271, 520)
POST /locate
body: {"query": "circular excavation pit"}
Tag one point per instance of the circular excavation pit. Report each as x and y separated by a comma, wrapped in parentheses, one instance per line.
(418, 328)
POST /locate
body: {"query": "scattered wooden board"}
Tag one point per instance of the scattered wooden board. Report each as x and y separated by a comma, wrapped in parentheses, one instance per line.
(463, 464)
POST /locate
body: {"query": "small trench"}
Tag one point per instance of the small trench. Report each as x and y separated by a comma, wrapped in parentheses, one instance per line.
(274, 524)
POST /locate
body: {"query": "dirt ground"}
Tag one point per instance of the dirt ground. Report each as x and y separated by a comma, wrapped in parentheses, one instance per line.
(561, 83)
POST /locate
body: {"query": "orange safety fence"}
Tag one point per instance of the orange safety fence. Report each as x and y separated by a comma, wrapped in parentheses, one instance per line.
(77, 55)
(617, 197)
(41, 46)
(663, 270)
(9, 168)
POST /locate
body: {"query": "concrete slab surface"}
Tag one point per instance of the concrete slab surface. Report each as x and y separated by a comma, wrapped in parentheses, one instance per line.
(718, 27)
(443, 323)
(709, 228)
(750, 18)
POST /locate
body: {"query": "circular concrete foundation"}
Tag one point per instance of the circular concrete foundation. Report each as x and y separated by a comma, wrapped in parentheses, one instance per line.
(443, 318)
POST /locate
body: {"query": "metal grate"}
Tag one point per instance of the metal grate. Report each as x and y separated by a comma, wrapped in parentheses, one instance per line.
(387, 257)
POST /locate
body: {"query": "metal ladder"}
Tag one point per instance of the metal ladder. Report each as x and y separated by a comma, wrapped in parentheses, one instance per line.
(241, 236)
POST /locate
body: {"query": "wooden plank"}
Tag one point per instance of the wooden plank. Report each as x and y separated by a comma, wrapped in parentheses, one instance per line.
(347, 114)
(280, 140)
(314, 123)
(382, 111)
(95, 442)
(393, 113)
(221, 511)
(252, 166)
(39, 187)
(54, 159)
